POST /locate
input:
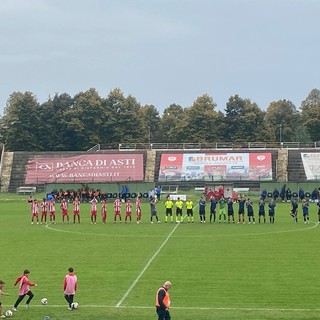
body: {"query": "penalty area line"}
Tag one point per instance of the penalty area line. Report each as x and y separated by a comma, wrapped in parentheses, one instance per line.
(146, 267)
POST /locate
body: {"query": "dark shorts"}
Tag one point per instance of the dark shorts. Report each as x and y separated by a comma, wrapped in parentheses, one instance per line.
(189, 212)
(230, 213)
(179, 211)
(169, 211)
(241, 211)
(262, 213)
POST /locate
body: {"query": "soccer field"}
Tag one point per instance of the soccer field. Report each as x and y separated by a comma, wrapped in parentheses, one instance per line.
(218, 271)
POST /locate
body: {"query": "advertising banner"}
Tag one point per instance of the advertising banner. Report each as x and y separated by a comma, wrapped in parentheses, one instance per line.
(311, 164)
(86, 168)
(216, 166)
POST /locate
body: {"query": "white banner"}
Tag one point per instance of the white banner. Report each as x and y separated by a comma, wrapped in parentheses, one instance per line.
(311, 164)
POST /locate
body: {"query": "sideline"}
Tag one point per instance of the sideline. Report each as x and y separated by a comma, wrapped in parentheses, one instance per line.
(179, 308)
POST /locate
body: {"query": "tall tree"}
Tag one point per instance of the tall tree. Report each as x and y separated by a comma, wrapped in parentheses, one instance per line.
(52, 129)
(201, 124)
(310, 116)
(244, 121)
(19, 125)
(283, 119)
(172, 123)
(124, 123)
(151, 124)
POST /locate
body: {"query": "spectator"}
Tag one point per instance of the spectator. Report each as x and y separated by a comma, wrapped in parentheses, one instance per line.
(275, 194)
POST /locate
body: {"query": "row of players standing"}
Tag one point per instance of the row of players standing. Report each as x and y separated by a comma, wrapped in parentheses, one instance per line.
(226, 210)
(49, 206)
(228, 205)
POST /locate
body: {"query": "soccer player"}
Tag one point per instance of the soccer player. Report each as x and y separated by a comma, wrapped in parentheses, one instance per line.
(24, 289)
(250, 211)
(202, 210)
(262, 212)
(117, 210)
(179, 205)
(70, 287)
(44, 206)
(272, 209)
(318, 205)
(189, 206)
(93, 210)
(2, 283)
(52, 211)
(242, 203)
(64, 210)
(104, 211)
(168, 205)
(230, 210)
(305, 210)
(213, 206)
(35, 211)
(76, 210)
(294, 210)
(138, 209)
(222, 211)
(153, 209)
(128, 211)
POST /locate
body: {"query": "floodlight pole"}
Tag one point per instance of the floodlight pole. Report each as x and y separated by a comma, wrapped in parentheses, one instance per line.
(149, 132)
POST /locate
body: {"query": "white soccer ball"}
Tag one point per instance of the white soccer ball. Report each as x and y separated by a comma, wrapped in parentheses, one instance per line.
(74, 305)
(8, 313)
(44, 301)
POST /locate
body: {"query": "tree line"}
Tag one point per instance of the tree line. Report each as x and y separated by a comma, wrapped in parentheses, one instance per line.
(77, 123)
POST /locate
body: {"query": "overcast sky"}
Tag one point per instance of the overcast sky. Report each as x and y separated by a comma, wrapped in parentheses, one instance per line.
(161, 51)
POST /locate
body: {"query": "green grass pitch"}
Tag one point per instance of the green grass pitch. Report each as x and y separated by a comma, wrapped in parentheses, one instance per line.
(218, 271)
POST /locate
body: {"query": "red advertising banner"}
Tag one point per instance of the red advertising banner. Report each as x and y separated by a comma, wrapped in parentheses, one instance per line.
(86, 168)
(216, 166)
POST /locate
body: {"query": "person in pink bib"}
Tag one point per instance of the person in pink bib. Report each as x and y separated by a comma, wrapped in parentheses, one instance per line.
(70, 287)
(24, 290)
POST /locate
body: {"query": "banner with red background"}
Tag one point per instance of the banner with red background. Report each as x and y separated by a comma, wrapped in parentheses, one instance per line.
(86, 168)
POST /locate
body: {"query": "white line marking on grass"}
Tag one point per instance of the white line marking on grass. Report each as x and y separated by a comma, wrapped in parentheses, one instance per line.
(315, 224)
(177, 308)
(104, 234)
(146, 267)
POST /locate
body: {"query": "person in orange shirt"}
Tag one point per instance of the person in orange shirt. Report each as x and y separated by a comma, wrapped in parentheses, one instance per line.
(163, 302)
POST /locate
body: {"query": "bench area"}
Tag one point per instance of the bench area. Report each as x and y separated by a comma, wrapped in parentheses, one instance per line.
(26, 190)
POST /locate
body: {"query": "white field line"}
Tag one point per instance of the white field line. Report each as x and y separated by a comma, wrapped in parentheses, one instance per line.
(253, 309)
(146, 267)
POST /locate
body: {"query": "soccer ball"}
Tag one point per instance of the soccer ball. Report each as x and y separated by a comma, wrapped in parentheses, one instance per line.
(74, 305)
(44, 301)
(8, 313)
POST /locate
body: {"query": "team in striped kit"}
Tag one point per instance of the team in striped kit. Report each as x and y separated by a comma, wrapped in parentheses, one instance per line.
(49, 206)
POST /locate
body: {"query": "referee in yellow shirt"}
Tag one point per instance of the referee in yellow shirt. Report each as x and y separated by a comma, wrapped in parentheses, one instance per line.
(189, 206)
(168, 205)
(179, 205)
